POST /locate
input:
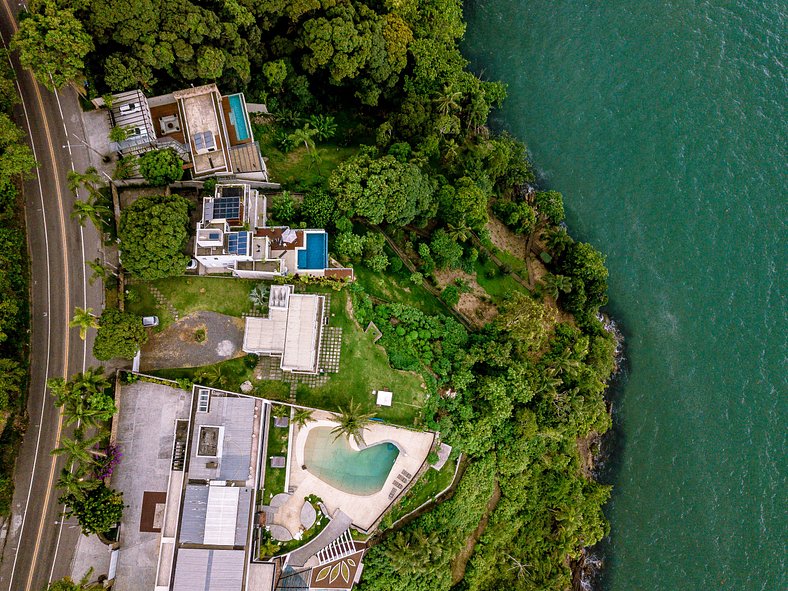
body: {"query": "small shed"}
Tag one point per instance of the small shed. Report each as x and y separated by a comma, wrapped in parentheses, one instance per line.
(277, 461)
(384, 398)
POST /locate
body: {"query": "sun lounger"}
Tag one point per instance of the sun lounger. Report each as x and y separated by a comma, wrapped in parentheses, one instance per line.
(393, 493)
(397, 484)
(402, 478)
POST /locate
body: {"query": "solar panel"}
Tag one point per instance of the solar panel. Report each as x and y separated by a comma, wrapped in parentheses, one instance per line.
(238, 242)
(228, 208)
(210, 144)
(199, 142)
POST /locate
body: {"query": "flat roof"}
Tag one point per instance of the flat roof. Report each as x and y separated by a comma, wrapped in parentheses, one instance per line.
(304, 316)
(209, 570)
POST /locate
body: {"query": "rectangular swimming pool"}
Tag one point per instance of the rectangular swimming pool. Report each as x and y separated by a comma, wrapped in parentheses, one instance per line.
(238, 117)
(315, 255)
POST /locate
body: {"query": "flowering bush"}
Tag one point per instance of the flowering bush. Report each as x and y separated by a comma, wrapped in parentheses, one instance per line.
(108, 461)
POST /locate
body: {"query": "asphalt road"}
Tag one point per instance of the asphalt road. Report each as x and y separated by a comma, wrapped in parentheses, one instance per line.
(38, 546)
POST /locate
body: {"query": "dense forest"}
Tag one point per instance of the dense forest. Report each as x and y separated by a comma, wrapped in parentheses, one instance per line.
(16, 161)
(388, 78)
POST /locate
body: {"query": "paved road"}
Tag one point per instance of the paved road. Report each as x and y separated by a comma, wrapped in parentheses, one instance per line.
(37, 548)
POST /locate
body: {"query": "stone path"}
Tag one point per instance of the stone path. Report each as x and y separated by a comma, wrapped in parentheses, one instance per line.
(338, 526)
(330, 349)
(163, 302)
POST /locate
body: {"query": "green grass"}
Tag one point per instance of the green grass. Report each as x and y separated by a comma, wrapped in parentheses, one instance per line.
(396, 287)
(429, 485)
(298, 168)
(498, 286)
(277, 446)
(517, 264)
(364, 367)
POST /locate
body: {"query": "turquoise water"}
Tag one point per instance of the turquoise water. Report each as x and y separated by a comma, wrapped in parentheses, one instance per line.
(315, 253)
(663, 123)
(354, 472)
(239, 117)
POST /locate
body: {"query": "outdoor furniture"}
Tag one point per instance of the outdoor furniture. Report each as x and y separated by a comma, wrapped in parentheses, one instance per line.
(402, 478)
(393, 493)
(383, 398)
(397, 484)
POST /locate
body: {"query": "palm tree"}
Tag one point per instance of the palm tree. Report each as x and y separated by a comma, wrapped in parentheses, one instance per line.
(91, 380)
(90, 210)
(352, 423)
(214, 376)
(68, 584)
(459, 233)
(324, 126)
(84, 319)
(89, 180)
(557, 240)
(553, 284)
(259, 295)
(99, 271)
(304, 135)
(448, 101)
(301, 416)
(79, 449)
(75, 484)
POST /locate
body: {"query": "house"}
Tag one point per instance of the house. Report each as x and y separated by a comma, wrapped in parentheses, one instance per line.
(211, 132)
(291, 332)
(232, 236)
(193, 468)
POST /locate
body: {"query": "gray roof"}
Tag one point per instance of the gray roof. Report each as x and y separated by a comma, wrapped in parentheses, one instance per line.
(236, 415)
(199, 569)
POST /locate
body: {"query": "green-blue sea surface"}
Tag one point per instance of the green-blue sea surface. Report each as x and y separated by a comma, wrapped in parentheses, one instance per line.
(663, 124)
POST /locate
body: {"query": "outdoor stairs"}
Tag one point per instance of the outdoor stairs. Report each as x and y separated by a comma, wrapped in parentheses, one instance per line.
(163, 302)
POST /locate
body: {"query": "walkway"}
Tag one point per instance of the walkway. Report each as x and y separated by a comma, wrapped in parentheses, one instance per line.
(338, 526)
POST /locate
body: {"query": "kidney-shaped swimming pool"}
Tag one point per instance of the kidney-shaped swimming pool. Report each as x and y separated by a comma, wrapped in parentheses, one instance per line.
(335, 462)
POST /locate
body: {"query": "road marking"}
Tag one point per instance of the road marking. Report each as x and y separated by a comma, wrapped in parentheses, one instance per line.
(59, 430)
(49, 328)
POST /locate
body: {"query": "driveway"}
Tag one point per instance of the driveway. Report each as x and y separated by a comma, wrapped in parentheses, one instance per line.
(201, 338)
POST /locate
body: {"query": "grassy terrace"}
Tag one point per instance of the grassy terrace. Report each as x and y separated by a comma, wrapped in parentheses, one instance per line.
(364, 367)
(429, 485)
(277, 446)
(494, 281)
(226, 295)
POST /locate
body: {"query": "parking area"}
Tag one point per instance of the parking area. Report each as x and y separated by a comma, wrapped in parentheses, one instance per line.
(146, 430)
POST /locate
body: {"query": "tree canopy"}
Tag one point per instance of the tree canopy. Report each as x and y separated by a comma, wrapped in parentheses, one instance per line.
(161, 167)
(52, 43)
(120, 334)
(153, 234)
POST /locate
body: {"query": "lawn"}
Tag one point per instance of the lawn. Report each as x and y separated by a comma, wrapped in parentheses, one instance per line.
(226, 295)
(499, 285)
(364, 367)
(297, 168)
(429, 485)
(277, 446)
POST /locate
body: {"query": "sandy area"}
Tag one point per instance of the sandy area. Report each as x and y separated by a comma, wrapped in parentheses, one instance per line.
(505, 239)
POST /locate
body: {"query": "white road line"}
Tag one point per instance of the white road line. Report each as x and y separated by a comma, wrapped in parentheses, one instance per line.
(49, 326)
(84, 343)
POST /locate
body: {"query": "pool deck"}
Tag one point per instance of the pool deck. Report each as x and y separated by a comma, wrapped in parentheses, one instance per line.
(364, 511)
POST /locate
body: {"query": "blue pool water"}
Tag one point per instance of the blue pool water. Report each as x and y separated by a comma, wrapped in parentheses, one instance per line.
(239, 117)
(356, 472)
(315, 255)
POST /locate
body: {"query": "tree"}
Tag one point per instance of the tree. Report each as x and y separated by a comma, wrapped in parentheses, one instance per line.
(12, 376)
(153, 234)
(586, 266)
(550, 205)
(98, 512)
(53, 44)
(79, 449)
(76, 484)
(68, 584)
(84, 319)
(463, 204)
(283, 208)
(302, 416)
(259, 295)
(318, 209)
(120, 334)
(90, 210)
(161, 167)
(352, 423)
(324, 125)
(553, 284)
(451, 295)
(445, 251)
(99, 271)
(382, 189)
(89, 180)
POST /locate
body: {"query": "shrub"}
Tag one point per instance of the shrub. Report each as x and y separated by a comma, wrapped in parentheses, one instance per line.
(120, 334)
(161, 167)
(451, 295)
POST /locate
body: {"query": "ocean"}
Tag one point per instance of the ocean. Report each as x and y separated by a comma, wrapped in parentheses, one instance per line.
(663, 124)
